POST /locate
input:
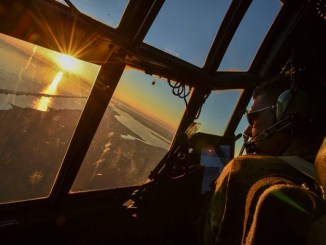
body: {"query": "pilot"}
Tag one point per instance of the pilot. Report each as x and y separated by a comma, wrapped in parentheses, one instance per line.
(286, 128)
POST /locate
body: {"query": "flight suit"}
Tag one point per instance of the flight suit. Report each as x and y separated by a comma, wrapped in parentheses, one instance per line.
(286, 212)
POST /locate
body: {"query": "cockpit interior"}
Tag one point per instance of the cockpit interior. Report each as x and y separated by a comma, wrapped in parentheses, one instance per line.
(117, 116)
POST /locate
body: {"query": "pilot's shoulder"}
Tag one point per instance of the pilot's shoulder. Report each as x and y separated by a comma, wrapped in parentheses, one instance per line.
(257, 158)
(257, 161)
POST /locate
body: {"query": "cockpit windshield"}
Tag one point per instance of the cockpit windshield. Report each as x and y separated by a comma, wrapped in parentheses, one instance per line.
(134, 135)
(42, 95)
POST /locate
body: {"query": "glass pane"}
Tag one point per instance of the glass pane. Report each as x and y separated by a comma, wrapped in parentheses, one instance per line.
(108, 12)
(250, 35)
(62, 2)
(134, 134)
(187, 29)
(42, 95)
(217, 111)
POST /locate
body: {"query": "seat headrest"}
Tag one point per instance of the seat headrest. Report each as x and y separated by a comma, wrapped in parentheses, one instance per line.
(320, 165)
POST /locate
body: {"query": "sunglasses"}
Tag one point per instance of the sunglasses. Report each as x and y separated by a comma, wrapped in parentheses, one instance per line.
(253, 115)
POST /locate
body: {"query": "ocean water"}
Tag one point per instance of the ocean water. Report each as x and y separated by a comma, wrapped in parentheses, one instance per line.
(145, 134)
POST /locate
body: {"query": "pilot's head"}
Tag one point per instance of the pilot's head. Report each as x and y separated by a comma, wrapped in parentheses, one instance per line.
(280, 115)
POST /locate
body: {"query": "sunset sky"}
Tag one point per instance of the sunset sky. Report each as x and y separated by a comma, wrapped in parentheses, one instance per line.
(150, 95)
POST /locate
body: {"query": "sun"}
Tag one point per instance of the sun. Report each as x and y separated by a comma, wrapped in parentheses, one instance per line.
(68, 62)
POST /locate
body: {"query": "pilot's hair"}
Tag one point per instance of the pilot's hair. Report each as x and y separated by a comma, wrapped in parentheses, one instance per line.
(272, 88)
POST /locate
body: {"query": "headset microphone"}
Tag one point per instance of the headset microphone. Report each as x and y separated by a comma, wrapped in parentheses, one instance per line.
(250, 145)
(245, 140)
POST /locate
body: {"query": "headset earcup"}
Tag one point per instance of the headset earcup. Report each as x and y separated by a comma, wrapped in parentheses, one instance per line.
(282, 104)
(297, 103)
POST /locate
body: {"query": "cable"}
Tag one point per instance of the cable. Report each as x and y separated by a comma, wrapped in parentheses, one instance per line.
(204, 100)
(179, 89)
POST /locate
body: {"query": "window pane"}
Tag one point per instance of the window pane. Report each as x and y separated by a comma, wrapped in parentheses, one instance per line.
(250, 35)
(42, 94)
(187, 29)
(62, 2)
(108, 12)
(134, 134)
(217, 111)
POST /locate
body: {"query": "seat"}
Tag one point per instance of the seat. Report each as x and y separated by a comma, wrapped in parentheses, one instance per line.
(320, 165)
(318, 229)
(279, 211)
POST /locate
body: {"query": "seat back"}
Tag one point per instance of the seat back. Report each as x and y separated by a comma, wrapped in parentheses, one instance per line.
(320, 165)
(318, 229)
(263, 211)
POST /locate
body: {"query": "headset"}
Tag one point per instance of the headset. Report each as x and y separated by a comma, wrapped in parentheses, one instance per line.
(293, 110)
(295, 100)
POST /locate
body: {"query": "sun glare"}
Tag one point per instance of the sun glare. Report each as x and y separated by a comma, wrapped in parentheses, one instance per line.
(43, 103)
(68, 62)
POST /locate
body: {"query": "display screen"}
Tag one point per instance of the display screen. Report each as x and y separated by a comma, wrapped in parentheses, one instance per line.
(214, 161)
(212, 152)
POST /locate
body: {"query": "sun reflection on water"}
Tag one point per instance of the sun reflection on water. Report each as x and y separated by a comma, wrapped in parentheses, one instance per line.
(43, 103)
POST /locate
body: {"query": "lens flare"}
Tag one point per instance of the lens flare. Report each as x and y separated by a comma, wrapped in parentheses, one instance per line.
(67, 62)
(43, 103)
